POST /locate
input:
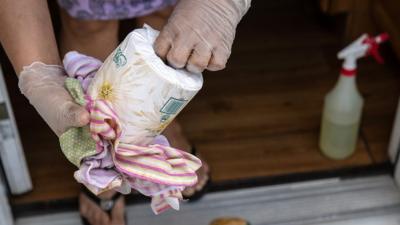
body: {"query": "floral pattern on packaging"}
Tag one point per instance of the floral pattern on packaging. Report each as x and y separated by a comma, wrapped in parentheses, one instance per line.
(146, 93)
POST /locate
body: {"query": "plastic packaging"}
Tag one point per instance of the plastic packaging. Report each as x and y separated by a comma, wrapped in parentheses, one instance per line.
(146, 93)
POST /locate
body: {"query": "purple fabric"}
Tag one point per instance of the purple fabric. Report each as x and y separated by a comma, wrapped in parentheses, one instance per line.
(81, 67)
(98, 173)
(112, 9)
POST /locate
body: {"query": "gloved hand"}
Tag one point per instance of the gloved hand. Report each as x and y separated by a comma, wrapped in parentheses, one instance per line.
(43, 85)
(199, 33)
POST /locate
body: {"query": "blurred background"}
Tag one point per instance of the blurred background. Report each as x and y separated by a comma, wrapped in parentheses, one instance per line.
(257, 122)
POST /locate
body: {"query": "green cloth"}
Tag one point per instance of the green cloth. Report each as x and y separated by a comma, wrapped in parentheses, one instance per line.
(75, 90)
(76, 143)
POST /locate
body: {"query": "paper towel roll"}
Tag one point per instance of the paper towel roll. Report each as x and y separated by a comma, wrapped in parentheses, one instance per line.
(146, 93)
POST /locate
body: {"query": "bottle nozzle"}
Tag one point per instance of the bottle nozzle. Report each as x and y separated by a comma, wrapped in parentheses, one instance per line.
(373, 46)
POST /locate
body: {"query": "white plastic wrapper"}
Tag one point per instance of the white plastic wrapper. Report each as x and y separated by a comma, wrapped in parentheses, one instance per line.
(146, 93)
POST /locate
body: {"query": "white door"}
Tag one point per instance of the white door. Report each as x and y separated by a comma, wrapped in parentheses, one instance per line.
(11, 154)
(6, 217)
(11, 150)
(394, 145)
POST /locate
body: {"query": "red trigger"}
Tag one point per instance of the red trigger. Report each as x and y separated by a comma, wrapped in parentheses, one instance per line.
(374, 46)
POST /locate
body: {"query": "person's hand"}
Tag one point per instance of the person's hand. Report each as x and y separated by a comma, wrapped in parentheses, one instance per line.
(199, 33)
(43, 85)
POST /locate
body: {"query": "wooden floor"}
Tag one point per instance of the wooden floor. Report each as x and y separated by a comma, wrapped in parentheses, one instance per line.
(260, 116)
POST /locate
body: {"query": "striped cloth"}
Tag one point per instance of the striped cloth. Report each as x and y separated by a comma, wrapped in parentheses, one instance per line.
(157, 163)
(156, 170)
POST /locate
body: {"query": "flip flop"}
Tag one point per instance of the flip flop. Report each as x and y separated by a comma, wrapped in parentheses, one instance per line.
(107, 205)
(199, 194)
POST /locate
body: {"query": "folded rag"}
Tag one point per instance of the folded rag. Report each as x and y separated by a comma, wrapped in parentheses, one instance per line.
(105, 162)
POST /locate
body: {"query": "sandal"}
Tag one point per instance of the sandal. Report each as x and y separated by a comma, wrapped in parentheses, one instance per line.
(199, 194)
(107, 205)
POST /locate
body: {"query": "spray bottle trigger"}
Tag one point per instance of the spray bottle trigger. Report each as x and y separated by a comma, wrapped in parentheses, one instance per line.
(373, 43)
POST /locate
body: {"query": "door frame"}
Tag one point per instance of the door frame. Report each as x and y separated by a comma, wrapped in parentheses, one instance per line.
(6, 217)
(11, 150)
(394, 145)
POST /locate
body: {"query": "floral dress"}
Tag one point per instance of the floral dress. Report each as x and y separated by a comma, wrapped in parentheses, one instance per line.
(112, 9)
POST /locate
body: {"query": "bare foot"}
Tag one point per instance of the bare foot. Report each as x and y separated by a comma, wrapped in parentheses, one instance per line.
(178, 140)
(203, 177)
(97, 216)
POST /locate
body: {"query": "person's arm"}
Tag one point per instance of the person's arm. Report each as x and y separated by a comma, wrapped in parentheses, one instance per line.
(26, 33)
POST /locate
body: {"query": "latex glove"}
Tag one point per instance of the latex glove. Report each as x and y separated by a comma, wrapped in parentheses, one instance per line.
(43, 85)
(199, 34)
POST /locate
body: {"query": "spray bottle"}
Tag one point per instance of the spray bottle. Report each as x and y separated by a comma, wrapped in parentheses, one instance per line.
(343, 104)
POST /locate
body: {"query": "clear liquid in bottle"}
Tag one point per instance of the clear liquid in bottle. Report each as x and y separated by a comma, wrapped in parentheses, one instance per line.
(338, 141)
